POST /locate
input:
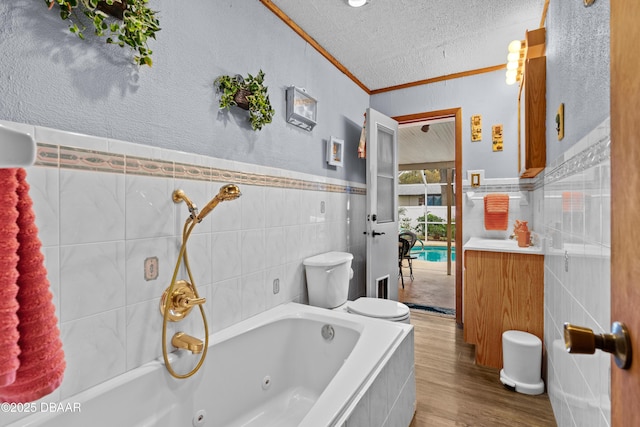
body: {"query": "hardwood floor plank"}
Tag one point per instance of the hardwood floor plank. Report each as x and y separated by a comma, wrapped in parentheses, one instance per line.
(453, 391)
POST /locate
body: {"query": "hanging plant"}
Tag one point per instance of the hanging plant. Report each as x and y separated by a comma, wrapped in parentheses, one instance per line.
(124, 22)
(248, 93)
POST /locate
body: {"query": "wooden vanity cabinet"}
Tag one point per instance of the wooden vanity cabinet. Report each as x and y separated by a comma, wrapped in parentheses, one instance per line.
(502, 291)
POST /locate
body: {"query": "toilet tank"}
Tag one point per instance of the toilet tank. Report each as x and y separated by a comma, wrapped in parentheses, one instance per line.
(328, 276)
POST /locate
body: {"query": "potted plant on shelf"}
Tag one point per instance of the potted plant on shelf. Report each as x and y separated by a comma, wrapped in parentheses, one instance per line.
(126, 22)
(248, 93)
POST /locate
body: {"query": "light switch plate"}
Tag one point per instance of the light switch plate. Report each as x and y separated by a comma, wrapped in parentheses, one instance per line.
(475, 177)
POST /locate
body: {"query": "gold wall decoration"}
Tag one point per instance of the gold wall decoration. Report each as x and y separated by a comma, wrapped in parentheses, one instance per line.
(496, 132)
(476, 128)
(560, 122)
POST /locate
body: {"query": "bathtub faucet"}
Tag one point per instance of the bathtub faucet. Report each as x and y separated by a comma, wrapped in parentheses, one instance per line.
(181, 296)
(187, 342)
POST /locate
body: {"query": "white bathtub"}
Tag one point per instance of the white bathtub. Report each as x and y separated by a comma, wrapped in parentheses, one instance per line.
(274, 369)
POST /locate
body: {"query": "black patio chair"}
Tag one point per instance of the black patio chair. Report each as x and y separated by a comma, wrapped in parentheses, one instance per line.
(403, 248)
(412, 239)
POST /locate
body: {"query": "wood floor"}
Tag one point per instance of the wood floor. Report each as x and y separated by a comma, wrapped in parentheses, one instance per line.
(453, 391)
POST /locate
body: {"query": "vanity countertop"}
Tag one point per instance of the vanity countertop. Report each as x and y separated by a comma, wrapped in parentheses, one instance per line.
(500, 245)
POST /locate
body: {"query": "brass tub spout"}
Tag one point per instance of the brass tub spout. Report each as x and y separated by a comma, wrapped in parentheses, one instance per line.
(187, 342)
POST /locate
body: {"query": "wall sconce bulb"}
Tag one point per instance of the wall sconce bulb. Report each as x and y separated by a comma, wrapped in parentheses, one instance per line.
(515, 46)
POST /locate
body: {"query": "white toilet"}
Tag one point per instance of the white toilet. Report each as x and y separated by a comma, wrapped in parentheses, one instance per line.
(328, 276)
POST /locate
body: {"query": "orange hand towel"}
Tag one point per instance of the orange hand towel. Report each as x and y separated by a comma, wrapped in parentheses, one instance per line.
(41, 359)
(496, 211)
(572, 201)
(9, 349)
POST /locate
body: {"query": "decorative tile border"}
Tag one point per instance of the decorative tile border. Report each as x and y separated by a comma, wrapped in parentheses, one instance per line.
(501, 185)
(96, 161)
(64, 157)
(591, 156)
(495, 188)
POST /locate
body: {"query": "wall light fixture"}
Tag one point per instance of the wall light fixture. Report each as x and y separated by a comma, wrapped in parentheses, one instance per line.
(515, 61)
(520, 51)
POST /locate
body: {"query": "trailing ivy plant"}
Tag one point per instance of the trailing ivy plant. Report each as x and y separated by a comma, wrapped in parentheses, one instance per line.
(133, 26)
(248, 93)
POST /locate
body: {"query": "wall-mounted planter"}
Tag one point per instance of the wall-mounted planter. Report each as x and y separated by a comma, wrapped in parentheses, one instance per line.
(133, 28)
(248, 93)
(241, 99)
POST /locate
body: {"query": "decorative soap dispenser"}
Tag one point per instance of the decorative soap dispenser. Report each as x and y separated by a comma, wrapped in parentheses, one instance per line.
(523, 234)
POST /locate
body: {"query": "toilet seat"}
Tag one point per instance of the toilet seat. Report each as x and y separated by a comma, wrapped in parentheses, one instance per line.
(379, 308)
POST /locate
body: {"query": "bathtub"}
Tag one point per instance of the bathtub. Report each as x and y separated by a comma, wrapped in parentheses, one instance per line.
(274, 369)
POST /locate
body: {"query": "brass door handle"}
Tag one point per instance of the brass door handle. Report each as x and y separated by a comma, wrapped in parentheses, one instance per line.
(581, 340)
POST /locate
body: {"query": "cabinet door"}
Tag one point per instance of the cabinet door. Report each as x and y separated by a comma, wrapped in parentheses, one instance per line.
(503, 291)
(535, 112)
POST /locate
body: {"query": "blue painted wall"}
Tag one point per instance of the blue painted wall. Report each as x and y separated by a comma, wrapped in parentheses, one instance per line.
(485, 94)
(578, 63)
(49, 77)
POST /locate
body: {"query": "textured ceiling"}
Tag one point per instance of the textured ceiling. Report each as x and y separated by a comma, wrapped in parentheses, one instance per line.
(386, 43)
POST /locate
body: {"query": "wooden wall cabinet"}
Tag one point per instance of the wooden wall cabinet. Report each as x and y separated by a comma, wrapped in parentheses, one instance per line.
(532, 99)
(502, 291)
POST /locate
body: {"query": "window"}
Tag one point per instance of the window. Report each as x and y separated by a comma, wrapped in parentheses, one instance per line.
(434, 200)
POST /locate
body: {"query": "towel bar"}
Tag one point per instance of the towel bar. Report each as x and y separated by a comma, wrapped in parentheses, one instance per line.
(471, 198)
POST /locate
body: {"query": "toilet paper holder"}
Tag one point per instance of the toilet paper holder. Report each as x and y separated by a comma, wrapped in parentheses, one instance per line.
(582, 340)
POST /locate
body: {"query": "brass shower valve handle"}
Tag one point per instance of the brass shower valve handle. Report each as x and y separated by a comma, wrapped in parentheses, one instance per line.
(185, 301)
(182, 299)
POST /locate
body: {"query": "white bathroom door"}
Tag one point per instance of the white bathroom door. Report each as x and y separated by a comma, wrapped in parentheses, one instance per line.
(382, 205)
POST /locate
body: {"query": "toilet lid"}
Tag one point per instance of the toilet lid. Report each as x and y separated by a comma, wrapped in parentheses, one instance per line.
(378, 307)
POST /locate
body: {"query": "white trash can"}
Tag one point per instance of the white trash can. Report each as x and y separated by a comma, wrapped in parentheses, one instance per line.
(522, 362)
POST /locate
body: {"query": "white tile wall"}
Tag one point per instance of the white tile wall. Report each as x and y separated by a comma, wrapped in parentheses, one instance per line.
(390, 399)
(98, 227)
(520, 206)
(577, 277)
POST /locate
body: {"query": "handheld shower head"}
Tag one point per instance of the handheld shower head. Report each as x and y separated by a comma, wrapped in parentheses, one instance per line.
(227, 192)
